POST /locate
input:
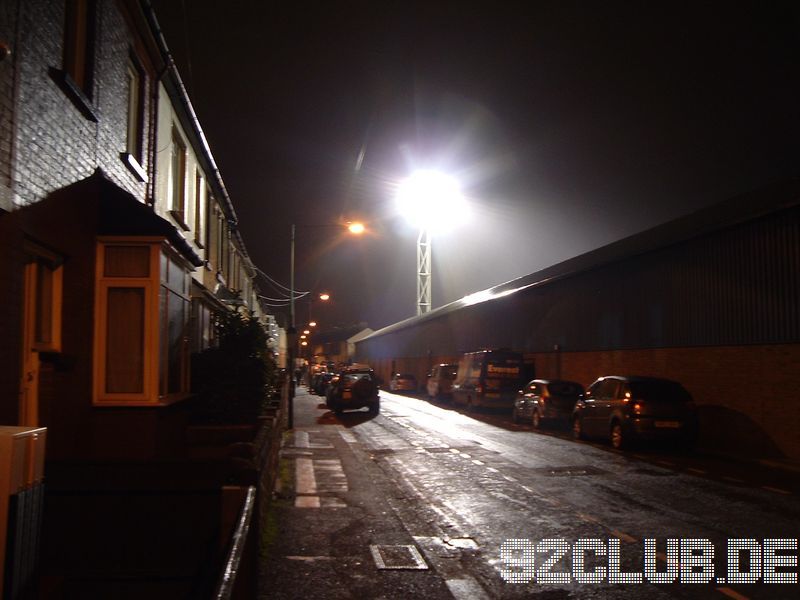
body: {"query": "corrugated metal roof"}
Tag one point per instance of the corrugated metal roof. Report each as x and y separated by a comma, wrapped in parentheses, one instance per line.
(723, 215)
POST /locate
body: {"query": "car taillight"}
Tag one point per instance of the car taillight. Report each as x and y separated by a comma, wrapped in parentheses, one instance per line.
(635, 405)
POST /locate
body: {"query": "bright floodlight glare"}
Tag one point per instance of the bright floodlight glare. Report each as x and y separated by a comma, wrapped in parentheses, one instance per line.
(312, 324)
(324, 296)
(432, 201)
(356, 228)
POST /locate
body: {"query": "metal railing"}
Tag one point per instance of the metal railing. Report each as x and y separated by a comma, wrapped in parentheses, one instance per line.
(235, 562)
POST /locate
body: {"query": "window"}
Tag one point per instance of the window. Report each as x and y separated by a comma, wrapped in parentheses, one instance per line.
(79, 37)
(607, 390)
(224, 249)
(141, 322)
(203, 333)
(218, 254)
(199, 208)
(208, 225)
(177, 179)
(135, 132)
(174, 321)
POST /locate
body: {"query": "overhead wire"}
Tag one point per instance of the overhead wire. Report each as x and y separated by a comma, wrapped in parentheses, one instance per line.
(282, 288)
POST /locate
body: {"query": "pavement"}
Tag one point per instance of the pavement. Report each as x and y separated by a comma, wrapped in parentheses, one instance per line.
(331, 532)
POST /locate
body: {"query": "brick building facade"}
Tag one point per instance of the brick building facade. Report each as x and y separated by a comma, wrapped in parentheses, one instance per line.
(118, 243)
(81, 174)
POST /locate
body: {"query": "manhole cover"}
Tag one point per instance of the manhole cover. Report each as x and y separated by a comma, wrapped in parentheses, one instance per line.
(462, 543)
(397, 557)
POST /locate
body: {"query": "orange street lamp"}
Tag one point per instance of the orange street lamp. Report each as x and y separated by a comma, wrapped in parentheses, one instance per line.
(356, 228)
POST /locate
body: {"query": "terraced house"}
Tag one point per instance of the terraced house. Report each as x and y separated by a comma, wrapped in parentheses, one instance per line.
(118, 242)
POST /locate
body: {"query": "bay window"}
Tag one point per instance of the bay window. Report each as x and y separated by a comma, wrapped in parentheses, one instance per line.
(141, 345)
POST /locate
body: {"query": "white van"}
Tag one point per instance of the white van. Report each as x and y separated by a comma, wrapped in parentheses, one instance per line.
(489, 378)
(440, 381)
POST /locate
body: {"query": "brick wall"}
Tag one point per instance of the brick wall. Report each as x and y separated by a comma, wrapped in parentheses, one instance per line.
(7, 72)
(746, 395)
(56, 144)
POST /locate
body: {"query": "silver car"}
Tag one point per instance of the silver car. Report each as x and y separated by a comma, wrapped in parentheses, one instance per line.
(546, 400)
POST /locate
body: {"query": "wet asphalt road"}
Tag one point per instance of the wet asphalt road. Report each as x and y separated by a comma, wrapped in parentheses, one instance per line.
(422, 502)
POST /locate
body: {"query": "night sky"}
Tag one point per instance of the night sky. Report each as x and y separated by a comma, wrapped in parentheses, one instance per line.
(568, 124)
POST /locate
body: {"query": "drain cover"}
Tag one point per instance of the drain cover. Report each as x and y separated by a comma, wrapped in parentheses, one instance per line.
(397, 557)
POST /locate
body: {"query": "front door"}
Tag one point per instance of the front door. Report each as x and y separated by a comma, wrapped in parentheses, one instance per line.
(41, 330)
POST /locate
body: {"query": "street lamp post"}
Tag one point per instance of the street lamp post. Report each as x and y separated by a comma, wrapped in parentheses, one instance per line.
(354, 228)
(292, 333)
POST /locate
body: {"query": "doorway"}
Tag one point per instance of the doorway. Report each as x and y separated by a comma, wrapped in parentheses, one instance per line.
(41, 325)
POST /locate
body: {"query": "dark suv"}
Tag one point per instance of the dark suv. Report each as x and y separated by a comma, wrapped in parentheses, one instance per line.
(624, 409)
(353, 387)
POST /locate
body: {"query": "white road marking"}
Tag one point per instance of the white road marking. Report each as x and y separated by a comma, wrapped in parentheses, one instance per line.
(466, 589)
(306, 502)
(304, 474)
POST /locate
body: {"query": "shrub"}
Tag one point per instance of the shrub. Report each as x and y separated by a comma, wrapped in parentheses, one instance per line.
(234, 380)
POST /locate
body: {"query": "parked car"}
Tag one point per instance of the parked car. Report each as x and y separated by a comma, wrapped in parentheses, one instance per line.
(403, 382)
(624, 409)
(319, 384)
(440, 381)
(354, 387)
(488, 378)
(546, 400)
(316, 373)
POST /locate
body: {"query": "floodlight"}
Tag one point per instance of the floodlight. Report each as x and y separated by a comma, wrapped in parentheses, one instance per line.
(431, 201)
